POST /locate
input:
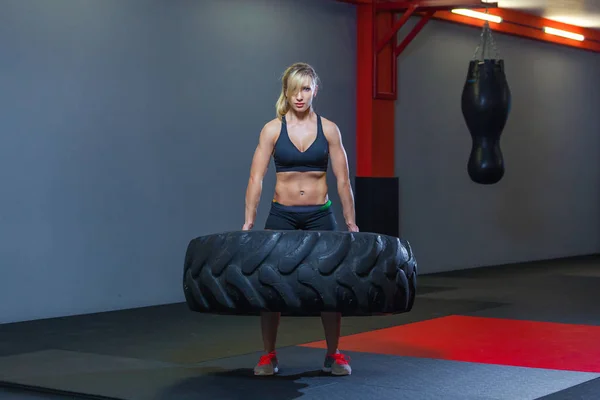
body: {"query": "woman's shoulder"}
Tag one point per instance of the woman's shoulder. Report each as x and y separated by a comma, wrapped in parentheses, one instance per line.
(271, 129)
(274, 123)
(330, 128)
(273, 126)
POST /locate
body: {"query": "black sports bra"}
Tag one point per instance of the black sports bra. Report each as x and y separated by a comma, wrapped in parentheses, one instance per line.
(287, 157)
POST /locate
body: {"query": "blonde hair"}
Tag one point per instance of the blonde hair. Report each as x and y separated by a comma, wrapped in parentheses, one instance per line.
(292, 81)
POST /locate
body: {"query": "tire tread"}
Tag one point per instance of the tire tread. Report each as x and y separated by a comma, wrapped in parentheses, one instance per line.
(299, 273)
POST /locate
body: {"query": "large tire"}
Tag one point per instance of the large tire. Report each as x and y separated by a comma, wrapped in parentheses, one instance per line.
(300, 273)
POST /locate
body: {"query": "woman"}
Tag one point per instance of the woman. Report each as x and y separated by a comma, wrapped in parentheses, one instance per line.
(301, 143)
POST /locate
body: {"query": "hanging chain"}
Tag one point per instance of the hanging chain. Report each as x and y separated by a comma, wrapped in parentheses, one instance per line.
(485, 41)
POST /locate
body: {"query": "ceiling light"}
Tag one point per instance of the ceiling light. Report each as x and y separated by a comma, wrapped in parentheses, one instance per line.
(565, 34)
(477, 14)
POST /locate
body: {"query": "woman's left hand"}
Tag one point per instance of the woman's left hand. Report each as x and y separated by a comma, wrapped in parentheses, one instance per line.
(352, 227)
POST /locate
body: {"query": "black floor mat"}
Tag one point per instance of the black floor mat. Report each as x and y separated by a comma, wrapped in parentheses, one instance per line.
(589, 390)
(232, 378)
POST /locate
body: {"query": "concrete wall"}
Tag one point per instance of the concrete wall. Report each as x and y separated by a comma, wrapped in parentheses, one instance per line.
(128, 128)
(548, 204)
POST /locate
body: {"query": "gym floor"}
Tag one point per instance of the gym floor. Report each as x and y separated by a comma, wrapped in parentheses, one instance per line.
(526, 331)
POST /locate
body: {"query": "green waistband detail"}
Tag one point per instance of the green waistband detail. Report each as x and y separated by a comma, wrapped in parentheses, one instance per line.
(326, 205)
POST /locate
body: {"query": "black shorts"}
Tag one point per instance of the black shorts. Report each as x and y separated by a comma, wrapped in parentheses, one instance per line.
(308, 218)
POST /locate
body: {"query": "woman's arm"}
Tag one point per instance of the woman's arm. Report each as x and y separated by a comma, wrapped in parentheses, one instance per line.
(258, 169)
(339, 164)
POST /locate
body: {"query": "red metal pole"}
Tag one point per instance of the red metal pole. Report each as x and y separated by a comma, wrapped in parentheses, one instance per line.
(374, 115)
(364, 89)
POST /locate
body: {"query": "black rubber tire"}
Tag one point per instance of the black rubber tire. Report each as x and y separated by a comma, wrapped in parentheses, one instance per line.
(299, 273)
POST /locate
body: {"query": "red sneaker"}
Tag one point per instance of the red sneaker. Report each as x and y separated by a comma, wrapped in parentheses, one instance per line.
(267, 365)
(337, 364)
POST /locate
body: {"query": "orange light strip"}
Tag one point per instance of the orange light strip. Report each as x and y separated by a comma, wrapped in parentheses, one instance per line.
(529, 26)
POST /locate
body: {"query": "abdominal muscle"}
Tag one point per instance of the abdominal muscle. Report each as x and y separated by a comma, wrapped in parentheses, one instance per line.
(301, 188)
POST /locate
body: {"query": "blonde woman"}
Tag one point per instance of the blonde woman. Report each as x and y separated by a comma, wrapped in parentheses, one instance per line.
(301, 143)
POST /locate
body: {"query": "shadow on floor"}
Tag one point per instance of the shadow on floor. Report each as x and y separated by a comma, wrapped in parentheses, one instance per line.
(216, 383)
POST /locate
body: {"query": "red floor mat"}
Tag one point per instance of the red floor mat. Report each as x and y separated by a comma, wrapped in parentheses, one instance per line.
(486, 340)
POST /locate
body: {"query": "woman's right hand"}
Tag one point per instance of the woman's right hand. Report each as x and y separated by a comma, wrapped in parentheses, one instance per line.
(247, 226)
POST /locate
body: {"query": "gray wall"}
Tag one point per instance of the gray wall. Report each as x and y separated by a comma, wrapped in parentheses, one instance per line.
(128, 128)
(548, 204)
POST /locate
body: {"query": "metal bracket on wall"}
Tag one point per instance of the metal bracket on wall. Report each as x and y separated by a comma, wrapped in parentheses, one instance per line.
(385, 35)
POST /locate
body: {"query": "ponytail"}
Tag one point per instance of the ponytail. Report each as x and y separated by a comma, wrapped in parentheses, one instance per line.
(282, 106)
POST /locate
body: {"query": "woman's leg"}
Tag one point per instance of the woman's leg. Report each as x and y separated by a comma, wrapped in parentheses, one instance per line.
(335, 362)
(269, 323)
(332, 323)
(280, 220)
(268, 364)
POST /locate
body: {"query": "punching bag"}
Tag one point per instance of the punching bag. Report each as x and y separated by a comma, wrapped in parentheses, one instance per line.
(485, 104)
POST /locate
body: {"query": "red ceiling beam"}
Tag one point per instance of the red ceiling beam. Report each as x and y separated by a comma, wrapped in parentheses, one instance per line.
(529, 26)
(514, 23)
(431, 5)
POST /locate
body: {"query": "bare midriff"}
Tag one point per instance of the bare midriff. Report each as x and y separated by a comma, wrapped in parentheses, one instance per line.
(301, 188)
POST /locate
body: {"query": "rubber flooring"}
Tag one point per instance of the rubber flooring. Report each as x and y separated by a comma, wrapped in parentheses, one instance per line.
(514, 332)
